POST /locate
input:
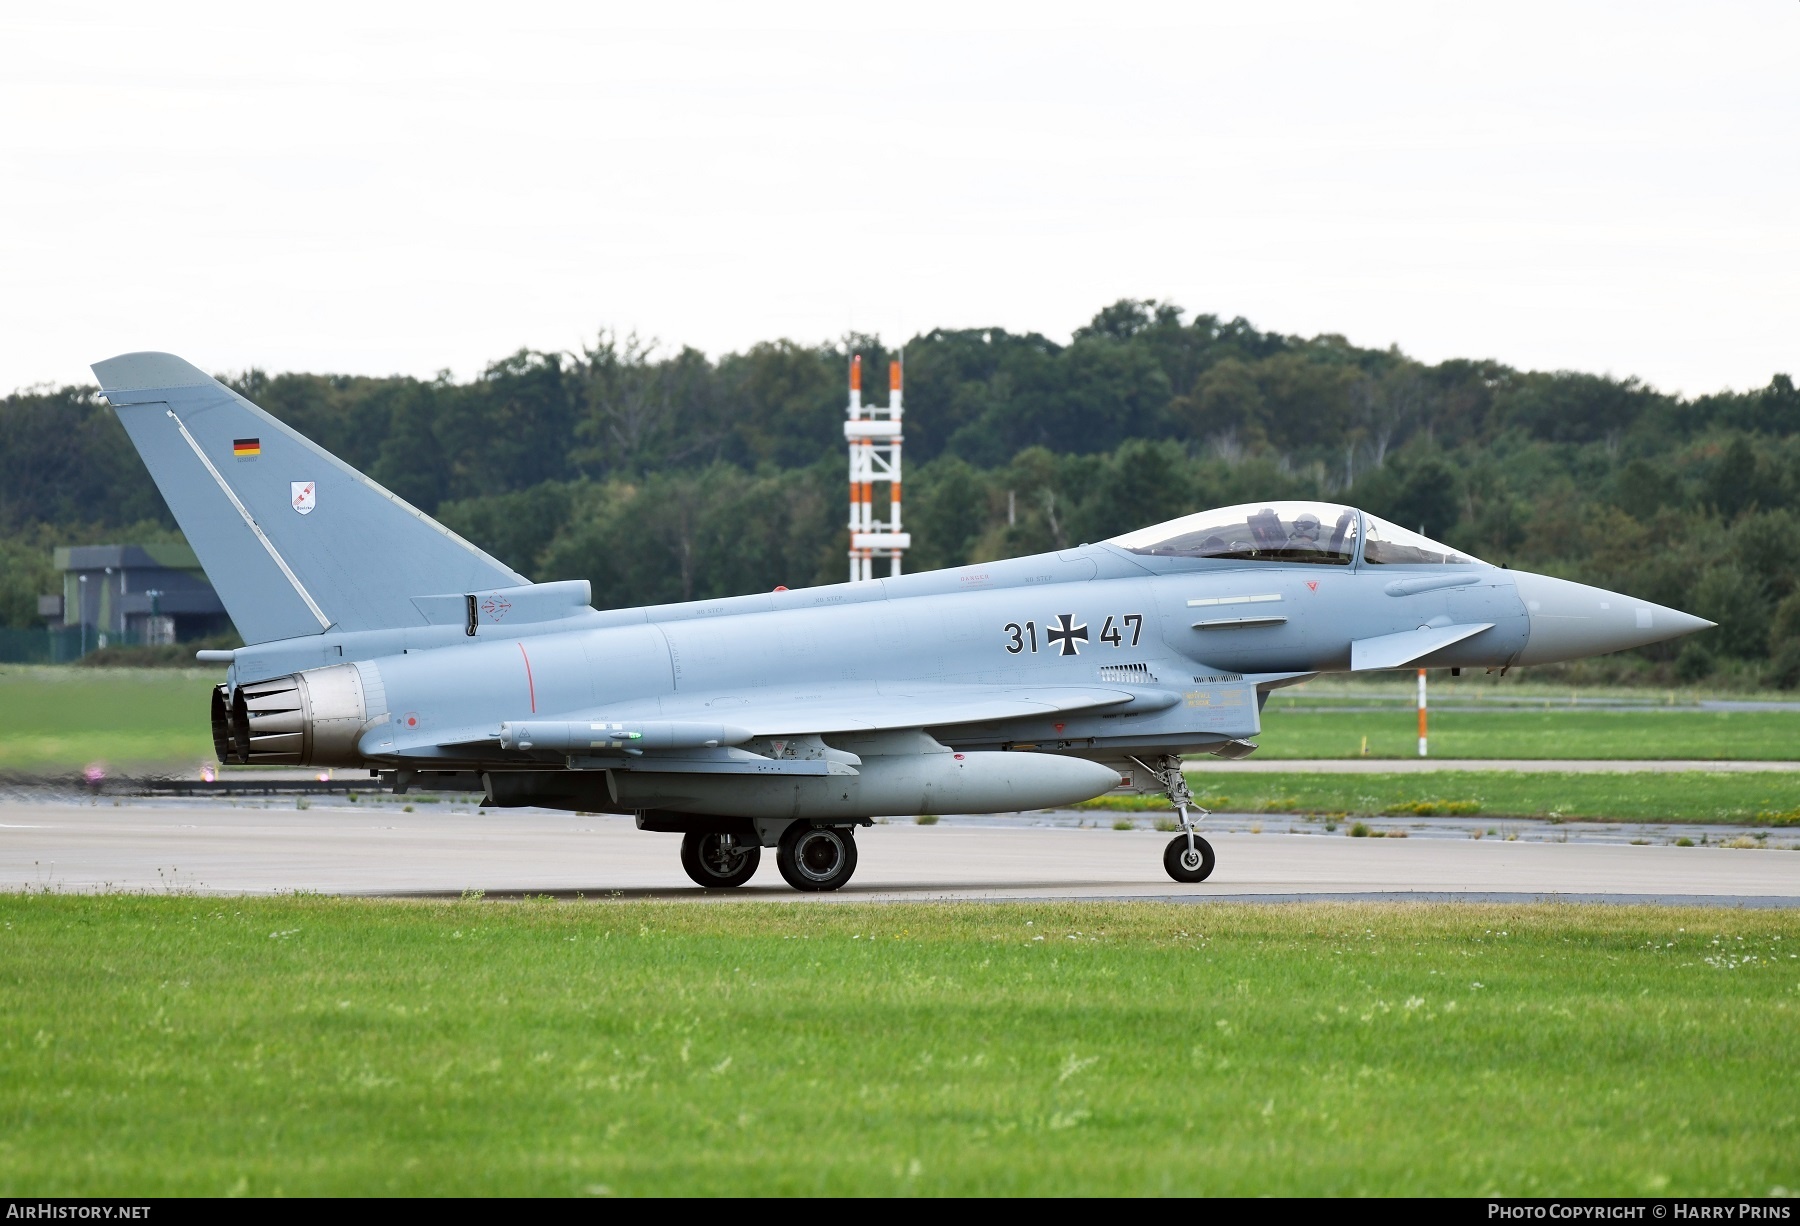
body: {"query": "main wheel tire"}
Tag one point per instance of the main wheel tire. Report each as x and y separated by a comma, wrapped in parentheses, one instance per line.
(816, 858)
(1186, 866)
(713, 863)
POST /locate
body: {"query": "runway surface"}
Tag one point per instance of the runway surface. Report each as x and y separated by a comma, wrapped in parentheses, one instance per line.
(379, 850)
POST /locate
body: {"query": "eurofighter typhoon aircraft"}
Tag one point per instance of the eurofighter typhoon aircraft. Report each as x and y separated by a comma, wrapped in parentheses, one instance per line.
(378, 638)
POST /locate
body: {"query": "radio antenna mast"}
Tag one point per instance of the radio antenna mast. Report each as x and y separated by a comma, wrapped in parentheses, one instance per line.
(873, 434)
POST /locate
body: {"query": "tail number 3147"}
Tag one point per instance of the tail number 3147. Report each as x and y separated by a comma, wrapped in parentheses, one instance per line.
(1023, 636)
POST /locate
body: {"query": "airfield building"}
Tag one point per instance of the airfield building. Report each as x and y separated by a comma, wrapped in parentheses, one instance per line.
(136, 594)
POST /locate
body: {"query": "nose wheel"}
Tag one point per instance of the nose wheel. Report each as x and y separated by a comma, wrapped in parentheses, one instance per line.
(1188, 858)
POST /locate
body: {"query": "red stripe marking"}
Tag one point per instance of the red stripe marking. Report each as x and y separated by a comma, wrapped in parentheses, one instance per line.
(529, 683)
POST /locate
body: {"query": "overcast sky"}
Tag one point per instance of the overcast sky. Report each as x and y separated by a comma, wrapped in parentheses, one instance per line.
(381, 189)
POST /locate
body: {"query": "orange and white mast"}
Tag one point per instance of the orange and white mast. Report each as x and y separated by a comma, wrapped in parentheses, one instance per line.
(896, 376)
(1422, 737)
(874, 437)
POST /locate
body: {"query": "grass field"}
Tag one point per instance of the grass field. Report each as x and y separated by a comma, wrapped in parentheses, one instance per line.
(1531, 732)
(1766, 798)
(61, 719)
(167, 1045)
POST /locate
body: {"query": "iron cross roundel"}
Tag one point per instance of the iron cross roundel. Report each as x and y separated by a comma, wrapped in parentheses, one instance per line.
(1069, 637)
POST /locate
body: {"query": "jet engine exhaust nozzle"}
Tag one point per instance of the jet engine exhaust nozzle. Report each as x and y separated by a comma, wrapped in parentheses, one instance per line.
(304, 719)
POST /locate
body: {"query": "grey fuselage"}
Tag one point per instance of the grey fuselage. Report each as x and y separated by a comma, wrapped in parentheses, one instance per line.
(1130, 624)
(381, 639)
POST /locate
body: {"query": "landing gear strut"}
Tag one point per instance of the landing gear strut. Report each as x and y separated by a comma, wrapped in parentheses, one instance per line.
(719, 861)
(1188, 857)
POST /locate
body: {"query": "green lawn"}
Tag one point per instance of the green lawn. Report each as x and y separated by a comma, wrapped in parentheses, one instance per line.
(1531, 732)
(60, 719)
(1768, 798)
(171, 1045)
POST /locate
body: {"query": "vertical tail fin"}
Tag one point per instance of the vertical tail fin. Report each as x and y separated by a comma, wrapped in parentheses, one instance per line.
(295, 541)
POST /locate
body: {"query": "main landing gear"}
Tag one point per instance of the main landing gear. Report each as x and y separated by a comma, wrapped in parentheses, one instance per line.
(812, 858)
(1188, 858)
(816, 858)
(719, 861)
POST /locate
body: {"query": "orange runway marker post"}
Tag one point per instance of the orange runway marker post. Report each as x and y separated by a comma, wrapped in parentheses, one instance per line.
(1421, 713)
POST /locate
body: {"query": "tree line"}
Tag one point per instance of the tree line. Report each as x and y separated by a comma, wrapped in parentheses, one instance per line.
(667, 475)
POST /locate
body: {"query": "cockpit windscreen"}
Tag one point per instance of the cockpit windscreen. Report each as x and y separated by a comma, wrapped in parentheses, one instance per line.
(1318, 532)
(1393, 545)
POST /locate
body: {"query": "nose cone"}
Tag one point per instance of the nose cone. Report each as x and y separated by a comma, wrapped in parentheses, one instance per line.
(1571, 620)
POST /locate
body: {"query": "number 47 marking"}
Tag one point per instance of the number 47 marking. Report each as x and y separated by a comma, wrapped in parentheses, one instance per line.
(1110, 633)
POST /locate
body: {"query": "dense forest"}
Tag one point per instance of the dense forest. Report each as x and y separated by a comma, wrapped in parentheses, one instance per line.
(667, 475)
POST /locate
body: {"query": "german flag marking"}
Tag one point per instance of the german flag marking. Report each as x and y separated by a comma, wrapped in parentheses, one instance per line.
(246, 448)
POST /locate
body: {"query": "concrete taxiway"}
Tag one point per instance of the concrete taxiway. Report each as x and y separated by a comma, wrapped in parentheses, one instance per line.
(379, 849)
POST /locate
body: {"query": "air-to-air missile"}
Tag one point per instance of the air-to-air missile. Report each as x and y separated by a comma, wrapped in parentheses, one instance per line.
(379, 639)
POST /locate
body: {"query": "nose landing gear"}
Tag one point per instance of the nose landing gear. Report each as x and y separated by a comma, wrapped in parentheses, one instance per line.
(1188, 858)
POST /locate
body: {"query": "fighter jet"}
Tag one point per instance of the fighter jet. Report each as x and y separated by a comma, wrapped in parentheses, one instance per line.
(379, 639)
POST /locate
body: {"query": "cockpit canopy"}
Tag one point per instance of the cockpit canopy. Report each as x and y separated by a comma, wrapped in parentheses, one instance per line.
(1319, 533)
(1256, 532)
(1391, 544)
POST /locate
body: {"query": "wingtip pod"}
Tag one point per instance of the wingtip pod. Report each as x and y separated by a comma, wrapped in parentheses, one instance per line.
(147, 370)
